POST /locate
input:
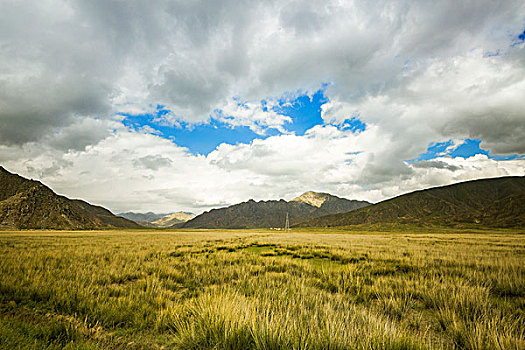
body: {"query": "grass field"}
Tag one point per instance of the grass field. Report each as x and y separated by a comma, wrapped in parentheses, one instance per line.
(262, 290)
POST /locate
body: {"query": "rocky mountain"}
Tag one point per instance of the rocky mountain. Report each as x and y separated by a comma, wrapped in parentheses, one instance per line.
(496, 202)
(315, 199)
(141, 217)
(272, 213)
(150, 219)
(173, 219)
(329, 204)
(28, 204)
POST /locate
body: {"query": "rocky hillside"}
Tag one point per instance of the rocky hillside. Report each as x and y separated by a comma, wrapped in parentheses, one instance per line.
(272, 214)
(497, 202)
(315, 199)
(172, 219)
(329, 204)
(141, 217)
(150, 219)
(28, 204)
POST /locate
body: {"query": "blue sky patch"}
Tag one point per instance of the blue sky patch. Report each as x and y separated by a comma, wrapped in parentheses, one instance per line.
(305, 112)
(434, 150)
(469, 148)
(303, 109)
(353, 124)
(199, 138)
(522, 36)
(518, 40)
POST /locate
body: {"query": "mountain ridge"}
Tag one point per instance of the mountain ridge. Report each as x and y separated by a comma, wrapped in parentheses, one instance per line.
(29, 204)
(174, 218)
(315, 199)
(269, 214)
(144, 217)
(495, 202)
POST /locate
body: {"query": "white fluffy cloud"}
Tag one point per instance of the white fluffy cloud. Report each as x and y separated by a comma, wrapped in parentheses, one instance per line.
(130, 170)
(415, 71)
(250, 114)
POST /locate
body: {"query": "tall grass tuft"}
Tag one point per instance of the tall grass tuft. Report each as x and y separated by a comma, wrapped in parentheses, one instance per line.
(250, 290)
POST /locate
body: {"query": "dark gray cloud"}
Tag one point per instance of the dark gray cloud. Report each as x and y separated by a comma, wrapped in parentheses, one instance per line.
(448, 27)
(50, 170)
(32, 111)
(435, 164)
(502, 129)
(80, 134)
(194, 92)
(52, 71)
(152, 162)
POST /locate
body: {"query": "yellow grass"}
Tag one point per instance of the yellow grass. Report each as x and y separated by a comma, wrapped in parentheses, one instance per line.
(262, 289)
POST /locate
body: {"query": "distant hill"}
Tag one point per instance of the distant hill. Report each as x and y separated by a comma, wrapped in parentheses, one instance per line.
(144, 217)
(272, 213)
(172, 219)
(150, 219)
(496, 202)
(28, 204)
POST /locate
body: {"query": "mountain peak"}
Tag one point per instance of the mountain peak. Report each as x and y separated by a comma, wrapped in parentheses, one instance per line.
(272, 213)
(492, 202)
(315, 199)
(175, 218)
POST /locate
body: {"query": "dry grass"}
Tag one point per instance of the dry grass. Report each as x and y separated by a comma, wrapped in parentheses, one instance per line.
(262, 290)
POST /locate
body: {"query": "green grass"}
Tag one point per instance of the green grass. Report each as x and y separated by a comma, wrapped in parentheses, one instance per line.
(316, 289)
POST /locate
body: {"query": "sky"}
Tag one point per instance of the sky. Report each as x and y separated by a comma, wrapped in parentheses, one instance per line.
(190, 105)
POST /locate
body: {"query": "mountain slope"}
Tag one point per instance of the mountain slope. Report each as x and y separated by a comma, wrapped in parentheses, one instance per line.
(143, 217)
(172, 219)
(497, 202)
(265, 214)
(315, 199)
(329, 204)
(28, 204)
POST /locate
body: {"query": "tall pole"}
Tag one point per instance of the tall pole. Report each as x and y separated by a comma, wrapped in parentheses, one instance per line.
(44, 222)
(287, 224)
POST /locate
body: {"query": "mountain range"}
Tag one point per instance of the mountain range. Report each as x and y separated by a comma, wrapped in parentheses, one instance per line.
(173, 219)
(150, 219)
(29, 204)
(272, 213)
(496, 202)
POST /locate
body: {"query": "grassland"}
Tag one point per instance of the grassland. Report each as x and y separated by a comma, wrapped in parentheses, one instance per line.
(263, 290)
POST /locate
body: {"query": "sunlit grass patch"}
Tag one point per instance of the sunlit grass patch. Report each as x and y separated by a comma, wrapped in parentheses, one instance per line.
(263, 290)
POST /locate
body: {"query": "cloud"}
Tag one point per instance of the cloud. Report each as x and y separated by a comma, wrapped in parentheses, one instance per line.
(51, 71)
(194, 57)
(190, 91)
(253, 115)
(470, 96)
(434, 164)
(416, 73)
(152, 162)
(131, 170)
(82, 133)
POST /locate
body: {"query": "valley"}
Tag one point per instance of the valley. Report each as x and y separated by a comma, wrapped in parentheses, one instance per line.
(302, 175)
(437, 268)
